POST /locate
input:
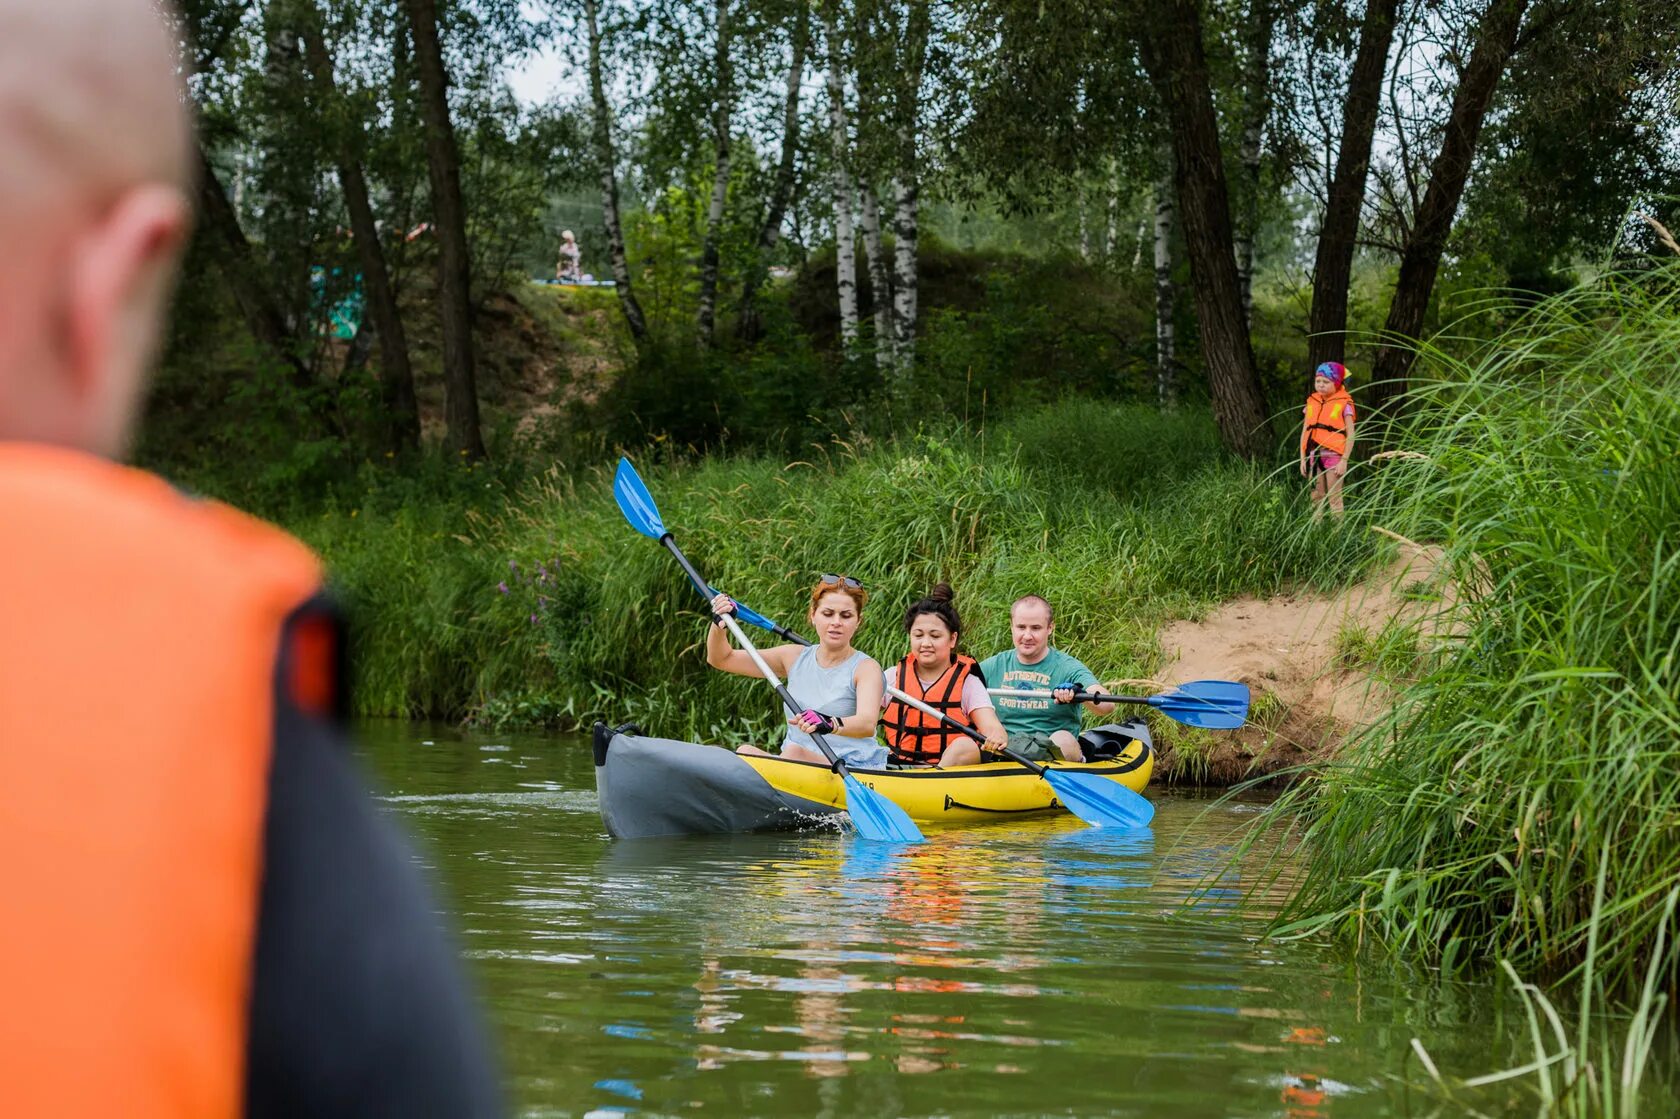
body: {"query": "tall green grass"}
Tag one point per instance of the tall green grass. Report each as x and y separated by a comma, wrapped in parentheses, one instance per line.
(1121, 516)
(1521, 801)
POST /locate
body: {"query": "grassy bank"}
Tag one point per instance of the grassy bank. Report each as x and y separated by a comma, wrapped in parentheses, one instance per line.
(1521, 799)
(538, 605)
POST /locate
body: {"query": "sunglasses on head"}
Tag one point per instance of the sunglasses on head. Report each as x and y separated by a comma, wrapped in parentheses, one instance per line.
(841, 581)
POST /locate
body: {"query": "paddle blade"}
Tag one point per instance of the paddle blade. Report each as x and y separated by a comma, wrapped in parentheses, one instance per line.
(635, 502)
(1211, 704)
(1098, 801)
(878, 818)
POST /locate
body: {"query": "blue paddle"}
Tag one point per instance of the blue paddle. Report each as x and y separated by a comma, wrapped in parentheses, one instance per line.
(1093, 798)
(1211, 704)
(874, 816)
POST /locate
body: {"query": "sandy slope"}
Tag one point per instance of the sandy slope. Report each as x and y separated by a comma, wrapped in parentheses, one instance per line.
(1287, 646)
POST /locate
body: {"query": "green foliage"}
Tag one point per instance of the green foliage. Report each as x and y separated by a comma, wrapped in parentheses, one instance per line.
(1538, 759)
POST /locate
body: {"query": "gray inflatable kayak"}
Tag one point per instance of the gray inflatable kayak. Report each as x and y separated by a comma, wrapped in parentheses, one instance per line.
(663, 786)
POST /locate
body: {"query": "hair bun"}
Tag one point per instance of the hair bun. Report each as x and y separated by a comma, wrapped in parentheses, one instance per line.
(942, 592)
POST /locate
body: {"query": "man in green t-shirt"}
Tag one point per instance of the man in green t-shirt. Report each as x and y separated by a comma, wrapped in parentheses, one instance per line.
(1040, 728)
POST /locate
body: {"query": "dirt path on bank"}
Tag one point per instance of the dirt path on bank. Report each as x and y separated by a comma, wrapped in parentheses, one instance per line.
(1308, 697)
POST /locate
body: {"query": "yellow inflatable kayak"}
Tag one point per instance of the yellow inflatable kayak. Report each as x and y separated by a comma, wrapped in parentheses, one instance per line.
(660, 786)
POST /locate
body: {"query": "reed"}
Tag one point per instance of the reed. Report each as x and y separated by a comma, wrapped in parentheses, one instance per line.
(1521, 801)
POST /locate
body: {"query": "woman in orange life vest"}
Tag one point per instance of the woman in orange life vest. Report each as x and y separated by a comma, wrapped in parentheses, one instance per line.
(1327, 436)
(944, 679)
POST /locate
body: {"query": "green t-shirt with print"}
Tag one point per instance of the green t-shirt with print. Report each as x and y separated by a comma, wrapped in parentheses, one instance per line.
(1024, 716)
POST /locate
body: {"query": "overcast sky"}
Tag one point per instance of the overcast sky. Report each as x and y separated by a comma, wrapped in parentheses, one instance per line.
(542, 76)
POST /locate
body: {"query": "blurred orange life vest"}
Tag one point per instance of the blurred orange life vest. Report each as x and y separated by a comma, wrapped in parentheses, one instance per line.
(139, 660)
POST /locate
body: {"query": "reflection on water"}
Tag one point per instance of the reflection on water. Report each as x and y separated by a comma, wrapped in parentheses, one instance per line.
(1026, 968)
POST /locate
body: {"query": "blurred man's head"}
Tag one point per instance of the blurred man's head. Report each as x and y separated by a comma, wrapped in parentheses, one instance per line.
(95, 139)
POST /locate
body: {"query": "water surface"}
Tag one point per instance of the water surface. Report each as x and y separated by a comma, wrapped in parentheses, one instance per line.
(1023, 969)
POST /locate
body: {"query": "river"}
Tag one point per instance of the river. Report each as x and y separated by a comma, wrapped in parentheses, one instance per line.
(1024, 969)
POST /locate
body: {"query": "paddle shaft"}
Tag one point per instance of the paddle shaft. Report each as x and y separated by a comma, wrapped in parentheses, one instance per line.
(970, 731)
(700, 584)
(1078, 697)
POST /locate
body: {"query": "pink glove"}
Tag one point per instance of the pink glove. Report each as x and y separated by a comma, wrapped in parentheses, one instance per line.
(814, 722)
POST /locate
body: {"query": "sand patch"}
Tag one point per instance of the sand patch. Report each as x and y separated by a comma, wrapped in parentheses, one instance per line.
(1310, 687)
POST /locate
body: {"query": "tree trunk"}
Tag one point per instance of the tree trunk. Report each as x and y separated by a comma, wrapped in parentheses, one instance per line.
(906, 211)
(781, 193)
(601, 135)
(869, 210)
(880, 279)
(1171, 46)
(1111, 226)
(1166, 377)
(1447, 176)
(396, 376)
(904, 304)
(1333, 268)
(243, 274)
(460, 401)
(1256, 107)
(286, 216)
(706, 314)
(845, 262)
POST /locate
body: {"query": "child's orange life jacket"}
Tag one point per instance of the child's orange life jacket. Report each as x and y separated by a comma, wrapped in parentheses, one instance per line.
(1326, 420)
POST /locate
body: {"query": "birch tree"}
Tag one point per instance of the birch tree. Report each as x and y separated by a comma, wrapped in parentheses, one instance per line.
(1262, 20)
(607, 168)
(722, 111)
(907, 184)
(880, 278)
(873, 153)
(1166, 376)
(840, 146)
(782, 189)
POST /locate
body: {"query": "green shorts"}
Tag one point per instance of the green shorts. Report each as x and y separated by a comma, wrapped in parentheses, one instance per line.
(1035, 746)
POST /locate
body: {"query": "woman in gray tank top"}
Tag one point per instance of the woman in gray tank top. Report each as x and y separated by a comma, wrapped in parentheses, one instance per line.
(837, 687)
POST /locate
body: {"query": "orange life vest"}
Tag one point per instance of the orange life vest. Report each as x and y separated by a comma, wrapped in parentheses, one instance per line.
(1326, 420)
(139, 662)
(915, 737)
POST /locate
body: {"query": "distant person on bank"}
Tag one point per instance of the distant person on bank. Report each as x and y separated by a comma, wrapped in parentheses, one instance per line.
(1327, 436)
(1040, 728)
(206, 915)
(569, 268)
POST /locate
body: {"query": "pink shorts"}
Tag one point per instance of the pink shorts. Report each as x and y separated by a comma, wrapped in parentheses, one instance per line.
(1328, 460)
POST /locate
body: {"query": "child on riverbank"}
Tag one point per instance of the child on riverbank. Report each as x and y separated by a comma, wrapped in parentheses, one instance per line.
(1327, 436)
